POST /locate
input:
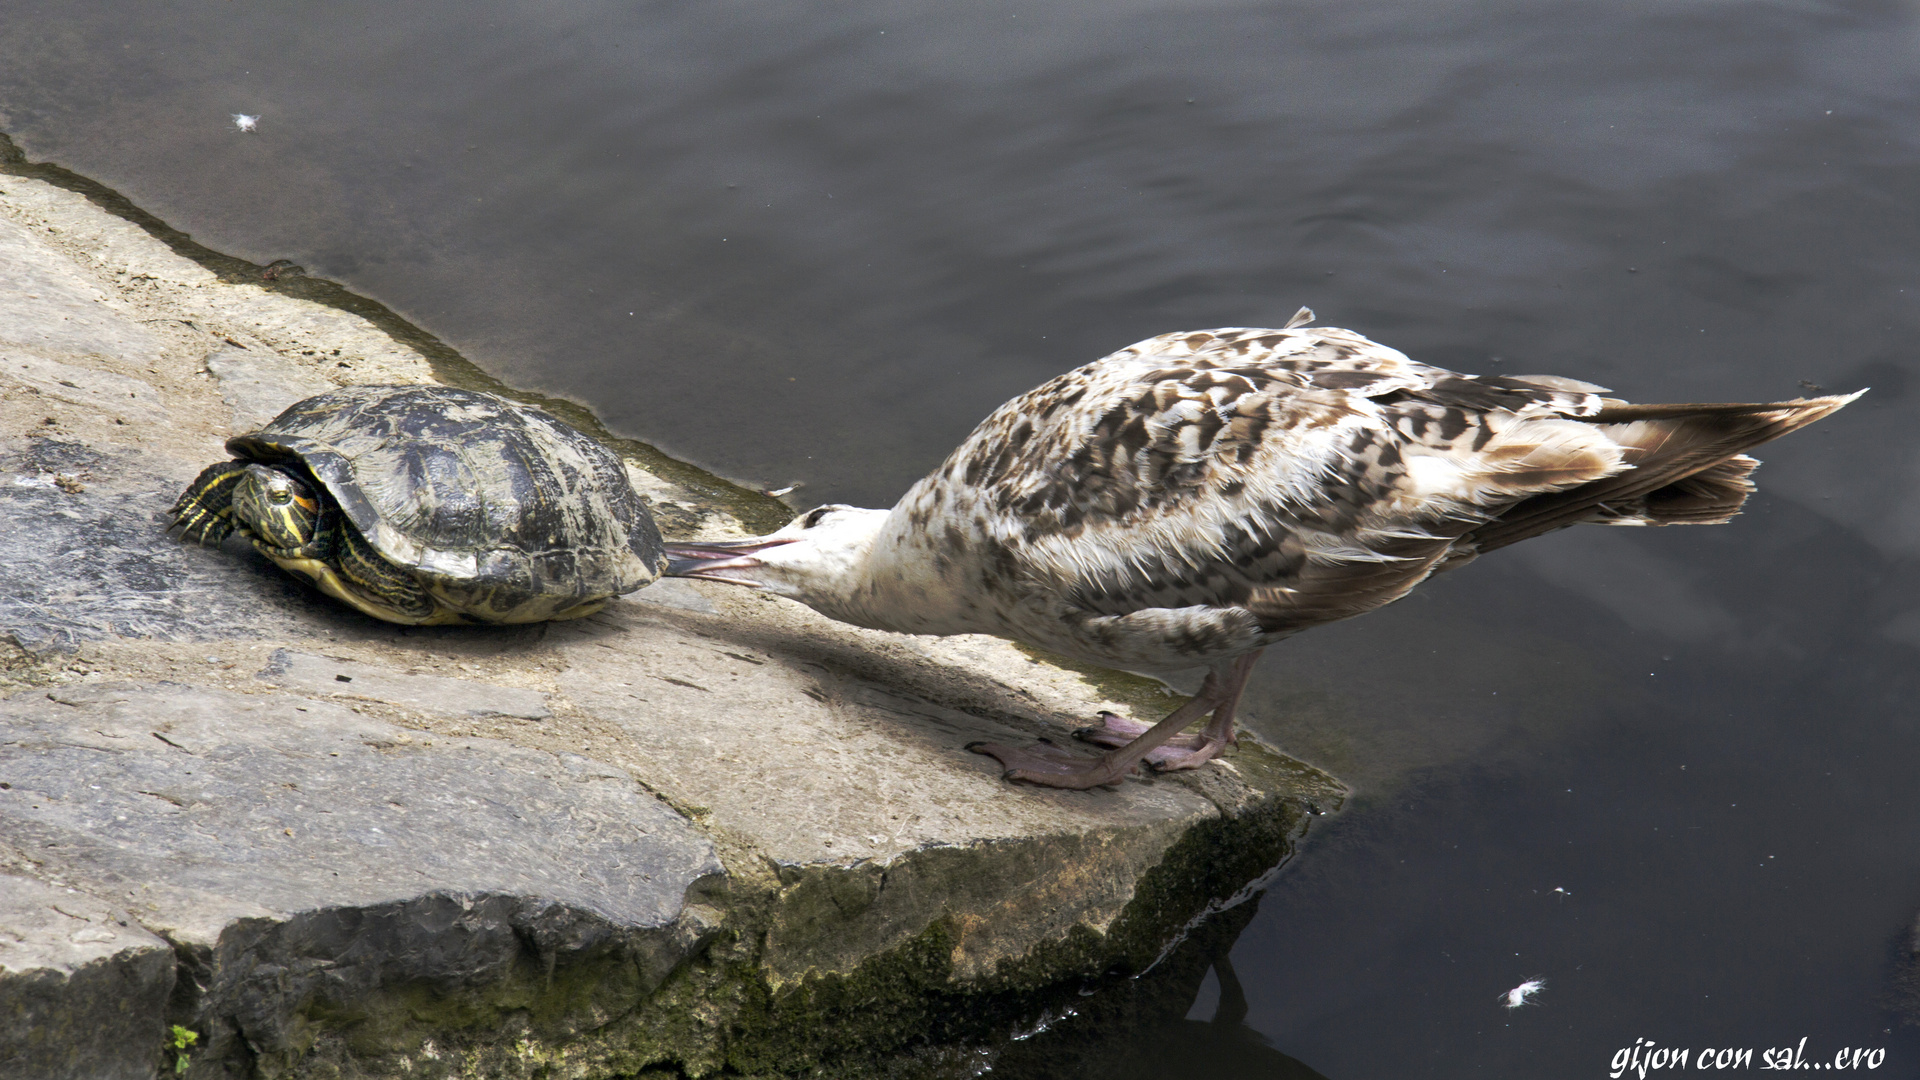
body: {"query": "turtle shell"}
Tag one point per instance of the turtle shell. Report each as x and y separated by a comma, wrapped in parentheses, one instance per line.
(503, 512)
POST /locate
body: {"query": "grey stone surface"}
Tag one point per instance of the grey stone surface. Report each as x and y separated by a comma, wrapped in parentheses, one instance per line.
(322, 858)
(273, 803)
(666, 835)
(123, 397)
(91, 559)
(84, 989)
(675, 593)
(52, 306)
(258, 385)
(325, 676)
(816, 741)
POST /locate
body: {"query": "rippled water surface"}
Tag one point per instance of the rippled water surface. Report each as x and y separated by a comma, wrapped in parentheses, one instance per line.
(1669, 772)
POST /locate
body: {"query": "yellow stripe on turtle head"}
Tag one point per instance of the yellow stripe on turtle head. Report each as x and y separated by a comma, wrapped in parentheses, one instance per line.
(278, 508)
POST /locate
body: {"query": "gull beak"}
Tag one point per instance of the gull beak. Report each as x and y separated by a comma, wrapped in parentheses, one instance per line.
(731, 561)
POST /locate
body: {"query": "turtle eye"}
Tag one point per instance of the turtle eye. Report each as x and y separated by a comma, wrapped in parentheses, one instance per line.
(279, 496)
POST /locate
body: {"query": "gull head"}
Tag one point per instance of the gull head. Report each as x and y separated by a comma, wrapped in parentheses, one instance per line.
(819, 558)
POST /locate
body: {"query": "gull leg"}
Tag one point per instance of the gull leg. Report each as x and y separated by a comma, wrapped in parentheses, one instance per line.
(1053, 766)
(1218, 734)
(1050, 766)
(1180, 751)
(1115, 730)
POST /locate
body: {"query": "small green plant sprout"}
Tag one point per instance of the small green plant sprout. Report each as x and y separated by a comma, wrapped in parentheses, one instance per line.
(178, 1039)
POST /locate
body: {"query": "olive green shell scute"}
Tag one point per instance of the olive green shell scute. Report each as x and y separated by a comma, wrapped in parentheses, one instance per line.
(484, 498)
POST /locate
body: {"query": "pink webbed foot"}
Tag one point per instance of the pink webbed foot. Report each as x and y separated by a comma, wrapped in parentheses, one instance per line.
(1188, 750)
(1171, 758)
(1048, 765)
(1114, 730)
(1164, 746)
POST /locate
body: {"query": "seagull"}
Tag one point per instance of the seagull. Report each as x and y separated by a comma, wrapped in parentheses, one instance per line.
(1194, 498)
(245, 122)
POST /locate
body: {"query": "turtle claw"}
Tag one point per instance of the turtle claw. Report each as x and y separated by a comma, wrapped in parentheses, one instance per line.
(202, 529)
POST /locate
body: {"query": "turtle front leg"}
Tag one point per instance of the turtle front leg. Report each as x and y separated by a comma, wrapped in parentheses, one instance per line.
(204, 512)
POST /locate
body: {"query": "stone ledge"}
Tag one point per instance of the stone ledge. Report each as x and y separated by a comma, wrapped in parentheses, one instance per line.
(83, 986)
(701, 830)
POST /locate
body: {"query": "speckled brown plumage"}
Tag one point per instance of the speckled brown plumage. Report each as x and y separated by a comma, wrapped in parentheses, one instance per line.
(1195, 497)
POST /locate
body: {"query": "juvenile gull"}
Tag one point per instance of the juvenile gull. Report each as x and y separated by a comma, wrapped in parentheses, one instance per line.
(1196, 497)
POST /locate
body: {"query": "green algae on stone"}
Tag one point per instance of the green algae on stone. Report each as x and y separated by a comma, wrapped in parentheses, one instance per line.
(724, 1013)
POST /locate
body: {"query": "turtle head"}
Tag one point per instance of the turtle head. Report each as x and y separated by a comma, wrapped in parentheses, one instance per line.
(280, 509)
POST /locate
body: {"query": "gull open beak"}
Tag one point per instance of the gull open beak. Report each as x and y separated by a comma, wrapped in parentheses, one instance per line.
(731, 561)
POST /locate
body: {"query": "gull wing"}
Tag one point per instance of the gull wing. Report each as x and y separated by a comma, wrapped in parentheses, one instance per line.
(1309, 474)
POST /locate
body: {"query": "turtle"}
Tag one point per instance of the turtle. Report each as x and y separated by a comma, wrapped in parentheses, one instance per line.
(431, 504)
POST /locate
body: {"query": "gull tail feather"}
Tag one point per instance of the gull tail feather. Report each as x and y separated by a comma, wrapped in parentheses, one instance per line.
(1687, 467)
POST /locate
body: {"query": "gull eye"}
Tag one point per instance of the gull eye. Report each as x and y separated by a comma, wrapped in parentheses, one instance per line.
(813, 518)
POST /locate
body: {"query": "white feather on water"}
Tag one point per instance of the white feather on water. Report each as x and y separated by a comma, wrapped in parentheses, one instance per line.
(1521, 994)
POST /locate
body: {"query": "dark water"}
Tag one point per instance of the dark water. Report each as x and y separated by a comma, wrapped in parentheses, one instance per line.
(1670, 772)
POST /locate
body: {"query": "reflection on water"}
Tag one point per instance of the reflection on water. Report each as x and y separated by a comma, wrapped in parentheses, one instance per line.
(1668, 771)
(1184, 1018)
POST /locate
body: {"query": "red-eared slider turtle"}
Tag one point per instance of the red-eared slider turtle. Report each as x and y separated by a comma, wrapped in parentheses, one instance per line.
(428, 504)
